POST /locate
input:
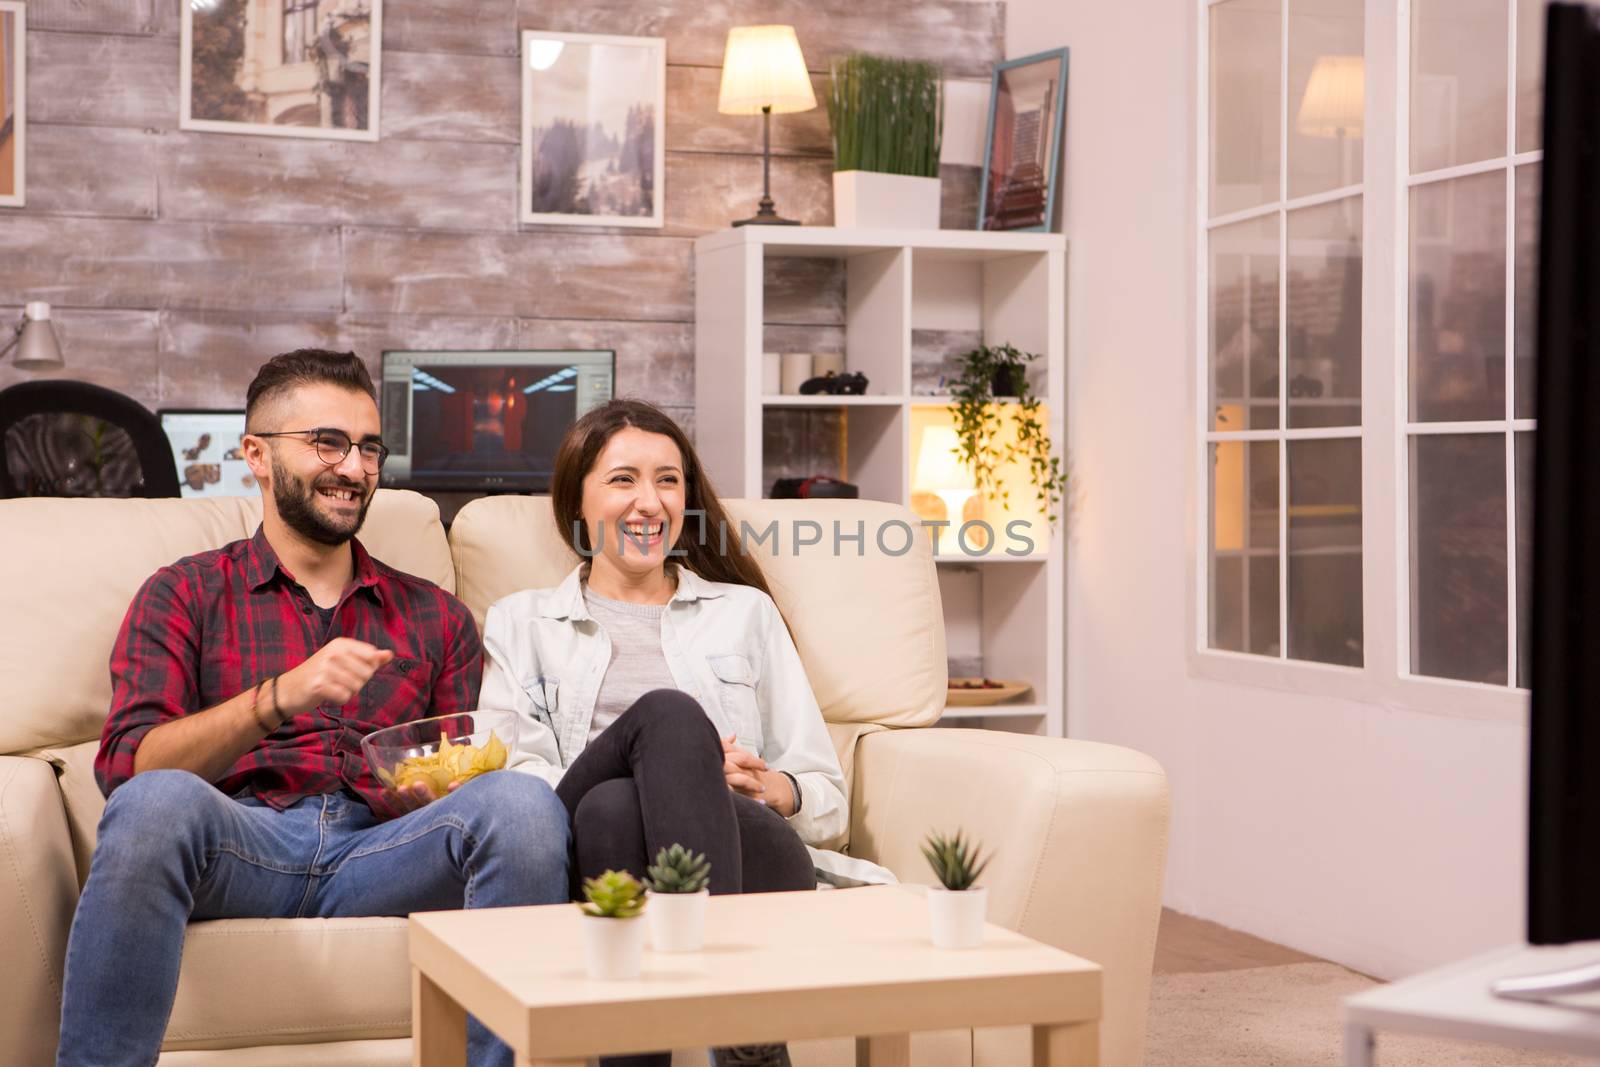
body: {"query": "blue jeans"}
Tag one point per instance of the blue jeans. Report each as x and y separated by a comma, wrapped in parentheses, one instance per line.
(173, 848)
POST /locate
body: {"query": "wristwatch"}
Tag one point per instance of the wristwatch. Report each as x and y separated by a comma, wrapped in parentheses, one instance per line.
(794, 786)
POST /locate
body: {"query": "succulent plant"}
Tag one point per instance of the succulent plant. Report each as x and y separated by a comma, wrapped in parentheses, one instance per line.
(956, 865)
(613, 895)
(678, 870)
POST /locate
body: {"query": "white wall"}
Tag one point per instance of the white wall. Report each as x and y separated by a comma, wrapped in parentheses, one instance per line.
(1385, 839)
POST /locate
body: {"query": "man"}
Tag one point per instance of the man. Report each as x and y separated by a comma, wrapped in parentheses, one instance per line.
(242, 683)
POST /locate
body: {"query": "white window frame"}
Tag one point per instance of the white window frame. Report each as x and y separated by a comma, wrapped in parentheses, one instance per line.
(1384, 678)
(1507, 427)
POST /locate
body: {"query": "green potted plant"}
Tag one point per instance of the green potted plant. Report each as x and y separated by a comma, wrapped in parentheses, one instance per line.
(956, 907)
(888, 122)
(678, 896)
(990, 374)
(613, 936)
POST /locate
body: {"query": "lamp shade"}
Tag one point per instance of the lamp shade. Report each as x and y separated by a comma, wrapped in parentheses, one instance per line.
(762, 67)
(939, 464)
(1335, 98)
(37, 347)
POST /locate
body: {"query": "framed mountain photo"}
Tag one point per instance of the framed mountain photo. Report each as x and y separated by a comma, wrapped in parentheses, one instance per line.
(592, 129)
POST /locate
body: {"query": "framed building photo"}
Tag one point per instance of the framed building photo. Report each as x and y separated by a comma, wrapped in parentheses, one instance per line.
(284, 68)
(592, 129)
(1022, 157)
(13, 101)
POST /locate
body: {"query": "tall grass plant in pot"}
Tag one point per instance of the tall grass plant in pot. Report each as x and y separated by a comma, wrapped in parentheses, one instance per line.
(888, 123)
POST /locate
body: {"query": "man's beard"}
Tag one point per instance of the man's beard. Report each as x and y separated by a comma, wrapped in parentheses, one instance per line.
(296, 500)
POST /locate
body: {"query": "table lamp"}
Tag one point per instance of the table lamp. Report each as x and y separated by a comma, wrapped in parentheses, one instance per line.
(763, 73)
(1334, 104)
(941, 472)
(36, 344)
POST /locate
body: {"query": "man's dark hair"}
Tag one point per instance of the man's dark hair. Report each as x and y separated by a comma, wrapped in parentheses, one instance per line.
(305, 366)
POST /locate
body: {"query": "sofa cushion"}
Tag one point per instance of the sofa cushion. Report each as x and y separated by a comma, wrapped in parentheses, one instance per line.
(68, 569)
(268, 982)
(867, 620)
(37, 894)
(80, 796)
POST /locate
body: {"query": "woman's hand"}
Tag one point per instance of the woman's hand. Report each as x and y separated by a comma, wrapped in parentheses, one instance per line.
(747, 774)
(745, 771)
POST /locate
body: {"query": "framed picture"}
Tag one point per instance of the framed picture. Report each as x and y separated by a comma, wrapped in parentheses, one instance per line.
(1022, 156)
(283, 68)
(13, 101)
(592, 129)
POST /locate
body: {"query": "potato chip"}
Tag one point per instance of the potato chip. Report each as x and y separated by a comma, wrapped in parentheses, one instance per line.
(450, 763)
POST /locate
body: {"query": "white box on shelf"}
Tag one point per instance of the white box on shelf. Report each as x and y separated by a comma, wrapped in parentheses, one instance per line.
(888, 201)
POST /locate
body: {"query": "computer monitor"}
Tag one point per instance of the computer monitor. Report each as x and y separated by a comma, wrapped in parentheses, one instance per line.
(485, 420)
(205, 446)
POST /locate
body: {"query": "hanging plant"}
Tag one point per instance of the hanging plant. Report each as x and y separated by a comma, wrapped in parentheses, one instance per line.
(990, 374)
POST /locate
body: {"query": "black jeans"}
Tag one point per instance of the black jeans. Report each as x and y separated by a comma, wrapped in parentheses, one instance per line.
(653, 779)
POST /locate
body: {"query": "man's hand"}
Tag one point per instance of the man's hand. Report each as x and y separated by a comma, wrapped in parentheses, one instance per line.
(397, 802)
(333, 675)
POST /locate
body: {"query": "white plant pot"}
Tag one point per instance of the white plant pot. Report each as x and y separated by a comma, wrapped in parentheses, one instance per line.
(885, 201)
(956, 917)
(612, 948)
(678, 921)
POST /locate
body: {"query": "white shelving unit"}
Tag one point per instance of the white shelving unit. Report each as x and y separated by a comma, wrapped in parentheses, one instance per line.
(1010, 286)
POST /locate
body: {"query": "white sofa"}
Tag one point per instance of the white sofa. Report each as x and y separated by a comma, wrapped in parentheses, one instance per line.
(1078, 829)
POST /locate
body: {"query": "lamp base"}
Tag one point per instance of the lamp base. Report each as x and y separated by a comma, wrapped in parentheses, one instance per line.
(955, 504)
(766, 220)
(766, 213)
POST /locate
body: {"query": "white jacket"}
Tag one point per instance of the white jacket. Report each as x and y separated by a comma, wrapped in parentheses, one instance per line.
(725, 645)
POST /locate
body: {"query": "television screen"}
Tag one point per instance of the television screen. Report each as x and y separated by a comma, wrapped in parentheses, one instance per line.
(1564, 783)
(485, 420)
(205, 446)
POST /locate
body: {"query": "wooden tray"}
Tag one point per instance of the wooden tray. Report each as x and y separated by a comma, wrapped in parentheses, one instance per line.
(972, 698)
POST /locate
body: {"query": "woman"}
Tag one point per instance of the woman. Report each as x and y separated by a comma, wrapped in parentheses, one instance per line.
(660, 691)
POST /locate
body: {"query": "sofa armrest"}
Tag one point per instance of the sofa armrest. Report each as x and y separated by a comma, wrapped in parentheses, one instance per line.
(38, 892)
(1078, 834)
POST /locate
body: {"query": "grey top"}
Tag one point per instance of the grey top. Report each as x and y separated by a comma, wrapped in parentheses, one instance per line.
(637, 663)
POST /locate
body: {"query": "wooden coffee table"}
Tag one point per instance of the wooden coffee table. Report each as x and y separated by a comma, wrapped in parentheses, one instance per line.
(776, 967)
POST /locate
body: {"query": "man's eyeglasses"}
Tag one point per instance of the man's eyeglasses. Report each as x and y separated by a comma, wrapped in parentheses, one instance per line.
(333, 445)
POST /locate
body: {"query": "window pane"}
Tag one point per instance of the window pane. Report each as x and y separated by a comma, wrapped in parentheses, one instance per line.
(1326, 90)
(1530, 73)
(1458, 82)
(1524, 458)
(1325, 551)
(1244, 325)
(1458, 292)
(1244, 546)
(1324, 321)
(1527, 281)
(1458, 557)
(1246, 51)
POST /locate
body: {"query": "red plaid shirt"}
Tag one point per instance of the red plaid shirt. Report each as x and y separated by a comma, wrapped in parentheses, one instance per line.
(211, 626)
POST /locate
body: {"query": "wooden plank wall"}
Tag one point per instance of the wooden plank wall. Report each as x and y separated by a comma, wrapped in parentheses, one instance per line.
(178, 261)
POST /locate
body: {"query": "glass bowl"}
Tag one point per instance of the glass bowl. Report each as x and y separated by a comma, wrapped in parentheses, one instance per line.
(442, 751)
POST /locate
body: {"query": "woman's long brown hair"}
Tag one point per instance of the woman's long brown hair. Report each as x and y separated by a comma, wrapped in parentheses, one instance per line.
(707, 552)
